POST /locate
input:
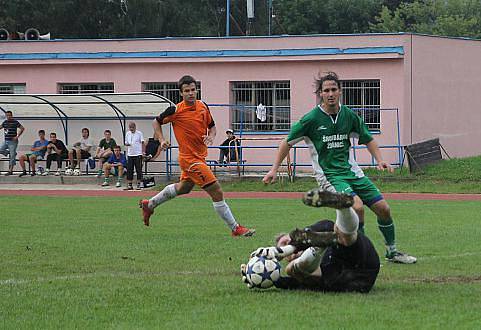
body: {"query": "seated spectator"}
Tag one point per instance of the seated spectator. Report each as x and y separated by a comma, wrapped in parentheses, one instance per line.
(232, 152)
(56, 150)
(38, 150)
(9, 146)
(105, 150)
(115, 165)
(81, 150)
(152, 149)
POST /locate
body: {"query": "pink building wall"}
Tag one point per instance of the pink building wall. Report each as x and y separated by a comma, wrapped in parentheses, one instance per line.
(411, 82)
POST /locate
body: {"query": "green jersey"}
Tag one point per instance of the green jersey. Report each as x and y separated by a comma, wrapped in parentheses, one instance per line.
(107, 145)
(328, 139)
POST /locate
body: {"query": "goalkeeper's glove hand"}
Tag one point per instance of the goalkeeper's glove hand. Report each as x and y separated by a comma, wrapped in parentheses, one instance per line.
(267, 252)
(243, 269)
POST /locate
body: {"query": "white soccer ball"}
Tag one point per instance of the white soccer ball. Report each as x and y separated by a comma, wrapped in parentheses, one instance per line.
(263, 273)
(76, 172)
(68, 171)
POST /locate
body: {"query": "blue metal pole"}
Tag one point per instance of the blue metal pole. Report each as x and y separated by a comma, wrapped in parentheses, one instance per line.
(227, 19)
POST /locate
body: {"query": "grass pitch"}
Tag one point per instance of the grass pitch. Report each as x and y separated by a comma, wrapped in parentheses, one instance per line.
(90, 263)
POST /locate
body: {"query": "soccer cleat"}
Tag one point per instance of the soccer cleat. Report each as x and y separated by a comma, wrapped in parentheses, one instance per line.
(105, 184)
(46, 172)
(146, 211)
(57, 173)
(118, 184)
(322, 198)
(129, 187)
(305, 238)
(22, 174)
(33, 174)
(242, 231)
(400, 258)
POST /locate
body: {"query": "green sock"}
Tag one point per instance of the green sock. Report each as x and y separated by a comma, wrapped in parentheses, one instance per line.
(386, 226)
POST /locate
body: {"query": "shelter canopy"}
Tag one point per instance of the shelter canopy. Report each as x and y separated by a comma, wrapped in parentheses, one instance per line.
(84, 106)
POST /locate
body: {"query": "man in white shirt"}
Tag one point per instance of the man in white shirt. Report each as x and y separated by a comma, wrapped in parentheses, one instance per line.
(134, 141)
(81, 150)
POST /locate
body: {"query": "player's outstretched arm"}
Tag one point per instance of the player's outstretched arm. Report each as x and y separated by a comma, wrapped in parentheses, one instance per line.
(374, 150)
(282, 153)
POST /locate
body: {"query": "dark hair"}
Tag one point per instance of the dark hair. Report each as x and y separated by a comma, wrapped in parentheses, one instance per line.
(86, 129)
(8, 111)
(186, 80)
(107, 131)
(41, 131)
(329, 76)
(117, 147)
(53, 133)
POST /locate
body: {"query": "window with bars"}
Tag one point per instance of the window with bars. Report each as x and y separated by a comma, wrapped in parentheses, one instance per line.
(261, 105)
(169, 90)
(86, 88)
(12, 88)
(364, 97)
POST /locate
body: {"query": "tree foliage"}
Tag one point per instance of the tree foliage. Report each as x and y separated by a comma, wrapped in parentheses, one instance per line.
(161, 18)
(458, 18)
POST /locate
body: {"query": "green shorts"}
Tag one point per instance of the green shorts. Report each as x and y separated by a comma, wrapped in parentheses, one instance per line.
(363, 187)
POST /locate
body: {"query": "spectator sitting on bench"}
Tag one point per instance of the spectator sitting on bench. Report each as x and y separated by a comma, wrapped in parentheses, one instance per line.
(232, 152)
(116, 164)
(152, 149)
(56, 150)
(105, 150)
(81, 150)
(38, 150)
(12, 134)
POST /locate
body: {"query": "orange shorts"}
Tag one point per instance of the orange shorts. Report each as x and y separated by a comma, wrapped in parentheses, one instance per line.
(198, 172)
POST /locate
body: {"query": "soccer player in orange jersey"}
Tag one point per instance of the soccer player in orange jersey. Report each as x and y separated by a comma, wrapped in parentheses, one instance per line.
(194, 129)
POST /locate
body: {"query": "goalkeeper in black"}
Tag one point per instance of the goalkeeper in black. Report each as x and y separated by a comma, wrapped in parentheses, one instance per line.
(326, 256)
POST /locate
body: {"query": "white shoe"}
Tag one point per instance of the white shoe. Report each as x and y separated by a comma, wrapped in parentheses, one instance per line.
(45, 173)
(118, 184)
(57, 173)
(401, 258)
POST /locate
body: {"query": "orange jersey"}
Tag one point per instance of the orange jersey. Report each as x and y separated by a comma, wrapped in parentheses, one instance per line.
(190, 124)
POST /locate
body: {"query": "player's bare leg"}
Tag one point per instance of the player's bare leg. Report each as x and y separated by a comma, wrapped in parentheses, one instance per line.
(223, 210)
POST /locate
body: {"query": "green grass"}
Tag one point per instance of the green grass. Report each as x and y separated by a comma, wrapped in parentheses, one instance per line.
(90, 263)
(448, 176)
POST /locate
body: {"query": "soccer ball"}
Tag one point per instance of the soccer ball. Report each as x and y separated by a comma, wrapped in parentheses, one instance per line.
(263, 273)
(68, 171)
(76, 172)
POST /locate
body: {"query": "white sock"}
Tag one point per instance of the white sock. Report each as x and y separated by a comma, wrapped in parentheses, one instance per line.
(309, 260)
(223, 210)
(347, 220)
(166, 194)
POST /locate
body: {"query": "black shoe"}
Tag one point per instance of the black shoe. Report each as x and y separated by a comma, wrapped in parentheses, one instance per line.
(323, 198)
(8, 173)
(33, 174)
(22, 174)
(305, 238)
(129, 187)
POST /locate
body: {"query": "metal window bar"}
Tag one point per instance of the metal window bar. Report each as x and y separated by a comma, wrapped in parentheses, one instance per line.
(364, 97)
(89, 88)
(169, 90)
(273, 95)
(12, 89)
